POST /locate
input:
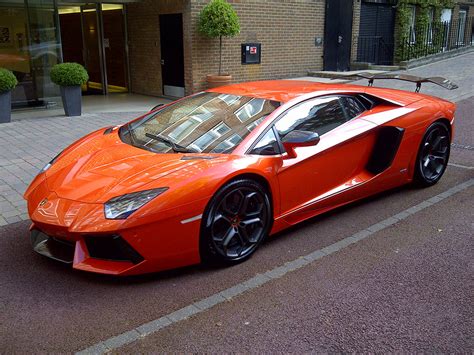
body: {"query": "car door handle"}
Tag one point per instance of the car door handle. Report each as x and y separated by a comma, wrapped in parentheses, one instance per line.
(162, 62)
(339, 39)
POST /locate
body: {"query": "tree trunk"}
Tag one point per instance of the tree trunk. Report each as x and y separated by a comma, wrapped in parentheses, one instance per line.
(220, 55)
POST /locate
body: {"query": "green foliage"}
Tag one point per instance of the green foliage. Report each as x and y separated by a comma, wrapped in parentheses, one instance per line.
(7, 80)
(426, 3)
(405, 50)
(218, 19)
(69, 74)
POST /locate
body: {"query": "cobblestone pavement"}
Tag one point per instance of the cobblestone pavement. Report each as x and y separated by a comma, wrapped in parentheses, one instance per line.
(27, 145)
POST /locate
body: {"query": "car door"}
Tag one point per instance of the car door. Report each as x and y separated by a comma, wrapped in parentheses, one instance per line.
(331, 165)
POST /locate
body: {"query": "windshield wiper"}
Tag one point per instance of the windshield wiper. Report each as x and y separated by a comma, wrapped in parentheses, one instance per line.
(176, 147)
(130, 133)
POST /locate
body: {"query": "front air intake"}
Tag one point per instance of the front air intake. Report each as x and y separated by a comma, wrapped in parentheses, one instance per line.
(111, 247)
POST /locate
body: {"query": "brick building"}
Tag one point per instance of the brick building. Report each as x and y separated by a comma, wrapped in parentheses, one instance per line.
(153, 47)
(291, 34)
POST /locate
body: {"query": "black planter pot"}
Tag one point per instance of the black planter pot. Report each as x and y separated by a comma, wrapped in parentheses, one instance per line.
(5, 107)
(72, 100)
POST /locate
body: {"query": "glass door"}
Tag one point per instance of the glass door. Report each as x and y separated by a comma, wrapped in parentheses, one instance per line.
(29, 47)
(115, 50)
(94, 35)
(91, 35)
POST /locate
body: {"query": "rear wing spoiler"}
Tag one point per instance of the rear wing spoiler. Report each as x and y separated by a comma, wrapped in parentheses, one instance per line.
(445, 83)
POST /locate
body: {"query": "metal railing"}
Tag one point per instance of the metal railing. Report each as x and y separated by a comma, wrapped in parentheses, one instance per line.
(437, 37)
(374, 50)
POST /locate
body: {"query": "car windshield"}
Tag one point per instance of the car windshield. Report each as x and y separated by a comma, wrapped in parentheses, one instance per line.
(203, 123)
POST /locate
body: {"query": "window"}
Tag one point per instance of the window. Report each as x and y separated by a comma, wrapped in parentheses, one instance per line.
(227, 145)
(446, 22)
(184, 128)
(320, 116)
(255, 123)
(412, 10)
(267, 145)
(30, 46)
(352, 106)
(229, 99)
(430, 24)
(462, 26)
(250, 109)
(207, 138)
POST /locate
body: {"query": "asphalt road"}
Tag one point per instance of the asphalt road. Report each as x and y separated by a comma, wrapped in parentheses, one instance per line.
(407, 288)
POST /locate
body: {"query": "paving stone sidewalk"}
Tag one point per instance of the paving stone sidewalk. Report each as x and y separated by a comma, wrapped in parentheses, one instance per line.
(27, 145)
(459, 70)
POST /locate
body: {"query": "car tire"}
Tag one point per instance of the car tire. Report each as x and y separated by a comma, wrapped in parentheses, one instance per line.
(433, 155)
(236, 221)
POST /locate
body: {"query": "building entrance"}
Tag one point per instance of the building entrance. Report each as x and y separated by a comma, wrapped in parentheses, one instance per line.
(94, 35)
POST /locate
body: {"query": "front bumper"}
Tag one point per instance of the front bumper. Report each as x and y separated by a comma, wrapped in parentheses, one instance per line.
(109, 247)
(57, 249)
(78, 233)
(108, 254)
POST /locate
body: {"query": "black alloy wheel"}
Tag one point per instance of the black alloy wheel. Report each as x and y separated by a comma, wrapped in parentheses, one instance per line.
(433, 155)
(236, 221)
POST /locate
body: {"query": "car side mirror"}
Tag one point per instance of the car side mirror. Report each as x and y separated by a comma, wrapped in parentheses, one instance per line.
(157, 106)
(296, 139)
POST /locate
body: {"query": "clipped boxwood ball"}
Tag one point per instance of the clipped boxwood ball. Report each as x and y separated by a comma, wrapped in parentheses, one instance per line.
(217, 19)
(7, 80)
(69, 74)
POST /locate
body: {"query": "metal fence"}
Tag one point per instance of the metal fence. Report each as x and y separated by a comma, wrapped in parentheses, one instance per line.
(374, 50)
(436, 38)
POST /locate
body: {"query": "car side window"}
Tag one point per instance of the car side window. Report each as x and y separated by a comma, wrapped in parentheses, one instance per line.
(352, 106)
(319, 115)
(267, 145)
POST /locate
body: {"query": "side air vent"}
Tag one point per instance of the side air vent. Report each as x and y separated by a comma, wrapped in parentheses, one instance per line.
(385, 148)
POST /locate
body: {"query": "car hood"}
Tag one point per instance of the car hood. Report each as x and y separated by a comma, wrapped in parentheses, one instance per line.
(100, 168)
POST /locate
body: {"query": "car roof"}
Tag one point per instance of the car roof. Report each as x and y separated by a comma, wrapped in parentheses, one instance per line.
(281, 90)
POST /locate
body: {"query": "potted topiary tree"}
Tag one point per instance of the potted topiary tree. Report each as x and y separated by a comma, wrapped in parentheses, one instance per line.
(70, 77)
(218, 19)
(7, 84)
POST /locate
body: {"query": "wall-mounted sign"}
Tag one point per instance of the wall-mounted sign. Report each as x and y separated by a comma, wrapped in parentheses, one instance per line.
(251, 53)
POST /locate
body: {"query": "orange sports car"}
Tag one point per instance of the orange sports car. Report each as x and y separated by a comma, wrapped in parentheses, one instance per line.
(208, 177)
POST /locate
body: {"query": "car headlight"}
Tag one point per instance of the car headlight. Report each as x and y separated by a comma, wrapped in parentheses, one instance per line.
(123, 206)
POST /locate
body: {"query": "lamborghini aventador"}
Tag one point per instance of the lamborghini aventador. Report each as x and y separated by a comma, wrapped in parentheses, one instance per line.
(208, 177)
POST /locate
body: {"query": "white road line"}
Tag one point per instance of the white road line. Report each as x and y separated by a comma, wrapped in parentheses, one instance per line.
(260, 279)
(461, 166)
